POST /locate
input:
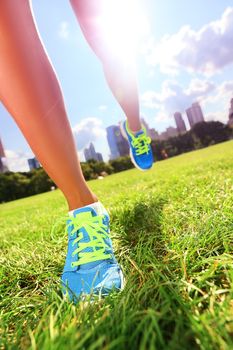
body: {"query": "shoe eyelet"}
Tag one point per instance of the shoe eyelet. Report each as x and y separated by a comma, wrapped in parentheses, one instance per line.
(72, 265)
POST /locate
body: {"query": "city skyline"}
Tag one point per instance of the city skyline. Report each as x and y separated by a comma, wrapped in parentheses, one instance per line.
(119, 146)
(170, 76)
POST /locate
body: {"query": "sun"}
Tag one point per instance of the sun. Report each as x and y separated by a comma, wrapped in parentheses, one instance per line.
(124, 24)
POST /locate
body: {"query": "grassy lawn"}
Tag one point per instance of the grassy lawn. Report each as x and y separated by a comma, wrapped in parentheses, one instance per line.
(172, 229)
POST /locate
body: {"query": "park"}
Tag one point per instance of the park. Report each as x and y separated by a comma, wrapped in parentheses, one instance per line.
(173, 236)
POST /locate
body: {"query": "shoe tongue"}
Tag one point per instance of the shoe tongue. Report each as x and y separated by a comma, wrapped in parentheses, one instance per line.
(79, 211)
(86, 213)
(140, 132)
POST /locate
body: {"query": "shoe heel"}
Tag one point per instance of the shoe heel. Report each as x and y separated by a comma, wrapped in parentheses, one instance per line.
(123, 131)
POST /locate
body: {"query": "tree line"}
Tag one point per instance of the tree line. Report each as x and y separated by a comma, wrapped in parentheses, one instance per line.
(14, 185)
(201, 135)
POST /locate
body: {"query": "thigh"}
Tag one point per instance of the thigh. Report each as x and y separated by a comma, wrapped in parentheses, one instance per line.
(25, 71)
(15, 26)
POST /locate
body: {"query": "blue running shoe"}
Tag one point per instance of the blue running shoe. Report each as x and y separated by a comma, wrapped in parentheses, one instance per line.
(140, 149)
(90, 266)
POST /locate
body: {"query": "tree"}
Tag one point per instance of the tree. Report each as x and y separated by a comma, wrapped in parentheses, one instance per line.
(40, 181)
(121, 163)
(13, 186)
(208, 133)
(87, 170)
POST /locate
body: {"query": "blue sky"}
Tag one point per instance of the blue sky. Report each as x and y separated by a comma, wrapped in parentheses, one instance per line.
(186, 55)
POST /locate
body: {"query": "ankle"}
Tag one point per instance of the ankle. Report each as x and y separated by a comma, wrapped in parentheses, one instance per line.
(81, 201)
(134, 128)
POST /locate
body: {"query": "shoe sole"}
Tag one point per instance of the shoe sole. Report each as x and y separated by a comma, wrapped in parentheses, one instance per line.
(130, 150)
(122, 280)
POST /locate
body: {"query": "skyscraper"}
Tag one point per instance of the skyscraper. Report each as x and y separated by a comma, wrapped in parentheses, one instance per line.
(99, 157)
(112, 132)
(87, 154)
(90, 153)
(118, 145)
(169, 132)
(3, 166)
(194, 114)
(231, 108)
(33, 163)
(181, 128)
(152, 133)
(2, 153)
(230, 115)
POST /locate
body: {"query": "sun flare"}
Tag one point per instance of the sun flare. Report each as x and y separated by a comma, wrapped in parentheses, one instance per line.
(124, 24)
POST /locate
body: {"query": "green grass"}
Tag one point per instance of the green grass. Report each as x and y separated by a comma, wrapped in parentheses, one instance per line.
(173, 235)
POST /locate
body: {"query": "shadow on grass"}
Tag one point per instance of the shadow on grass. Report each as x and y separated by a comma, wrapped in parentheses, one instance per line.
(140, 222)
(157, 313)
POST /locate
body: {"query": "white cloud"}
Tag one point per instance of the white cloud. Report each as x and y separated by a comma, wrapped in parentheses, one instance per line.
(88, 130)
(63, 30)
(219, 102)
(215, 99)
(223, 94)
(207, 50)
(173, 97)
(102, 108)
(17, 160)
(216, 116)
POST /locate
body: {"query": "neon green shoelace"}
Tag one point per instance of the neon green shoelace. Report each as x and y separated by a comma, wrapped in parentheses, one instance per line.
(141, 144)
(96, 231)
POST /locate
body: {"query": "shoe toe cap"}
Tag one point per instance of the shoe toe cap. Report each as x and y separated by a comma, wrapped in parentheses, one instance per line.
(145, 162)
(97, 282)
(113, 280)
